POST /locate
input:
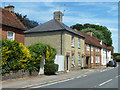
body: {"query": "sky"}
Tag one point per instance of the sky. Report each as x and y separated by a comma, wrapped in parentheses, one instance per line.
(99, 13)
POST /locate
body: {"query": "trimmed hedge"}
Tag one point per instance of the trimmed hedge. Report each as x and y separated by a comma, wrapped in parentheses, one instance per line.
(50, 68)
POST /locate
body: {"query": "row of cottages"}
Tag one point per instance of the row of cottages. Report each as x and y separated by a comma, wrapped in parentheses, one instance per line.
(12, 28)
(95, 50)
(79, 50)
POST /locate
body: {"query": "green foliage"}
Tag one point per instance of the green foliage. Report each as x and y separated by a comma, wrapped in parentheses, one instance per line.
(100, 32)
(27, 23)
(50, 68)
(38, 51)
(116, 56)
(15, 56)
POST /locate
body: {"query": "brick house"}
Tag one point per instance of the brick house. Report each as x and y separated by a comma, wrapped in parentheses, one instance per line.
(92, 50)
(67, 42)
(12, 28)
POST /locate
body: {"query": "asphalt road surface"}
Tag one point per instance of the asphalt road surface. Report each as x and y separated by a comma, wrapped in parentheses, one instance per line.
(103, 79)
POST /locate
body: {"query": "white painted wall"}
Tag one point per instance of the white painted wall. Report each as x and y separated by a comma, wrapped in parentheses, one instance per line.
(59, 59)
(103, 56)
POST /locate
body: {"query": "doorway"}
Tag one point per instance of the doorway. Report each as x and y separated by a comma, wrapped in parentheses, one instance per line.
(67, 63)
(87, 61)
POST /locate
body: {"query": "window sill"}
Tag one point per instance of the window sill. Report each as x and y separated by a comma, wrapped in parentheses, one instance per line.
(72, 46)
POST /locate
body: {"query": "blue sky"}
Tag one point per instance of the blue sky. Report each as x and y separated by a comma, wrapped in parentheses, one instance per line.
(101, 13)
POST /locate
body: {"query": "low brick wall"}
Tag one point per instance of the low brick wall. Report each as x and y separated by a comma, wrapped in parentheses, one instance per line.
(19, 74)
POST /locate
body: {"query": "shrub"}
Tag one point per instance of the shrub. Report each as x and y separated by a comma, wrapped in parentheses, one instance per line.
(50, 68)
(38, 50)
(15, 56)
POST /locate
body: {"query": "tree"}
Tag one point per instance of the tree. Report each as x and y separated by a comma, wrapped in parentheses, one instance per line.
(27, 23)
(100, 32)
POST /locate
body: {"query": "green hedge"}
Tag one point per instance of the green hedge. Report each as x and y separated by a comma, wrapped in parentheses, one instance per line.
(50, 68)
(15, 56)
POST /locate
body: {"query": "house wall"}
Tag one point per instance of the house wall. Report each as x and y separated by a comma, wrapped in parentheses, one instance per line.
(54, 39)
(19, 36)
(68, 50)
(103, 55)
(51, 38)
(94, 54)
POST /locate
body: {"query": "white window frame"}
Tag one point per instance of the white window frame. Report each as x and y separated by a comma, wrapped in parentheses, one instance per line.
(72, 41)
(78, 42)
(13, 37)
(95, 49)
(72, 58)
(98, 49)
(87, 47)
(79, 61)
(96, 60)
(91, 59)
(92, 48)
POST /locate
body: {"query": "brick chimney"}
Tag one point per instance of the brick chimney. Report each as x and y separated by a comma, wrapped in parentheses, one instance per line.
(89, 32)
(58, 16)
(10, 8)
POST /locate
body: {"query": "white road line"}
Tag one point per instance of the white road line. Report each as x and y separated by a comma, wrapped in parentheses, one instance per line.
(105, 82)
(84, 75)
(78, 77)
(117, 76)
(52, 83)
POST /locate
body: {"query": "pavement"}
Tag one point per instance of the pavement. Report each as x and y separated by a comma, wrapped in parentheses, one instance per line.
(34, 81)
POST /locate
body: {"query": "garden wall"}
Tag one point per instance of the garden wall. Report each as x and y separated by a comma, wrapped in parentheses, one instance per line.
(19, 74)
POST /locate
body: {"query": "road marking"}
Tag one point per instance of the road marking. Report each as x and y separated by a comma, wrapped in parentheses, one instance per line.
(105, 82)
(84, 75)
(117, 76)
(52, 83)
(78, 77)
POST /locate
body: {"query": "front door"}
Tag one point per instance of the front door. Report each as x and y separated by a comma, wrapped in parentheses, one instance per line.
(82, 62)
(87, 61)
(67, 63)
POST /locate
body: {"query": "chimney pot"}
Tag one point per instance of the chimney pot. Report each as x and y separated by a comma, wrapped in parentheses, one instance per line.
(89, 32)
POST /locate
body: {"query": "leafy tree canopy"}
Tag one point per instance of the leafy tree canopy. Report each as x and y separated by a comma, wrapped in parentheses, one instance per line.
(27, 22)
(100, 32)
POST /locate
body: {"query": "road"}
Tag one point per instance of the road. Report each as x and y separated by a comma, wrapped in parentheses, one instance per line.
(103, 79)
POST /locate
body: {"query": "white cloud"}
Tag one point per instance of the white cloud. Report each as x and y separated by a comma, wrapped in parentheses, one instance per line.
(113, 29)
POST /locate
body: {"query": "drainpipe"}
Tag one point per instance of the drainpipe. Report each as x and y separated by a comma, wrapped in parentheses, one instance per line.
(61, 41)
(90, 55)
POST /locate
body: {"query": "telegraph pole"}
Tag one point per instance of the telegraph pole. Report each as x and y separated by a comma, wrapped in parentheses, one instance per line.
(106, 47)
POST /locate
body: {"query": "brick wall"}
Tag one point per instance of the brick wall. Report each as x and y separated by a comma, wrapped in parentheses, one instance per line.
(94, 54)
(19, 36)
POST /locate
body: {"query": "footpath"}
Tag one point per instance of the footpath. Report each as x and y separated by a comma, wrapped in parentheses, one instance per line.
(39, 80)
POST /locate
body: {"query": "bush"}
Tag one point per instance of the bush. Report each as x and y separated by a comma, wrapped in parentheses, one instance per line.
(15, 56)
(50, 68)
(38, 50)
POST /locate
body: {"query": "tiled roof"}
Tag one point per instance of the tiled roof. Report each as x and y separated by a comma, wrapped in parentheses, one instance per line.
(11, 20)
(52, 25)
(90, 40)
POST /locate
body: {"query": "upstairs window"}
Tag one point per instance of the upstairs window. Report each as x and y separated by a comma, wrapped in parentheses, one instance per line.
(95, 49)
(10, 35)
(78, 42)
(92, 48)
(72, 41)
(98, 49)
(87, 47)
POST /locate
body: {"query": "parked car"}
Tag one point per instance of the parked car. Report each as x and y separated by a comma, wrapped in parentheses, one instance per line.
(112, 63)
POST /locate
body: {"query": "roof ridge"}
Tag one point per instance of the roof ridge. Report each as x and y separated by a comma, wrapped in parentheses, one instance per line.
(59, 23)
